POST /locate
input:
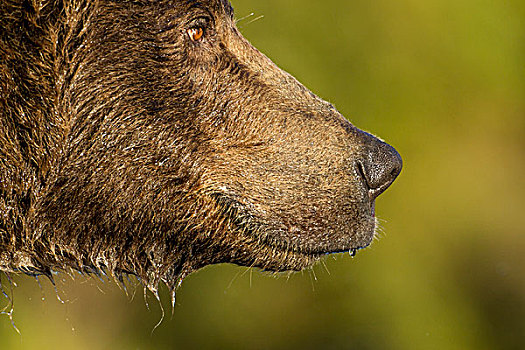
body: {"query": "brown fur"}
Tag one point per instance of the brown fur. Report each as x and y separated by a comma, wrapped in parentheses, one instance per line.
(126, 146)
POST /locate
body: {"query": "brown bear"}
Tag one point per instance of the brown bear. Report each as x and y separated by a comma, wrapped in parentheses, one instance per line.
(149, 137)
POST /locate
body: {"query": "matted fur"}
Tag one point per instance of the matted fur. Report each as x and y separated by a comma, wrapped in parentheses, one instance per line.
(129, 147)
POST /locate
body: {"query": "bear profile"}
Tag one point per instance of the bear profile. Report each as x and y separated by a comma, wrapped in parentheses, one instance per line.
(150, 138)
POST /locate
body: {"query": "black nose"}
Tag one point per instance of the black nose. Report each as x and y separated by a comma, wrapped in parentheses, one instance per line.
(380, 166)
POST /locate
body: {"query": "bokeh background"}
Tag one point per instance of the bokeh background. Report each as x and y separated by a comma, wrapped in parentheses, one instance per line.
(441, 80)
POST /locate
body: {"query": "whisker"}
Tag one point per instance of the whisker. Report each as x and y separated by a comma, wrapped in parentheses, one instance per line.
(243, 18)
(325, 266)
(255, 19)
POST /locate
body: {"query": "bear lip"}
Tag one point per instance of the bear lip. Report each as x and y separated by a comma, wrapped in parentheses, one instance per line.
(251, 227)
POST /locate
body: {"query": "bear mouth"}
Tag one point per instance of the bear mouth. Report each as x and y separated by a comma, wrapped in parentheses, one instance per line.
(266, 240)
(270, 242)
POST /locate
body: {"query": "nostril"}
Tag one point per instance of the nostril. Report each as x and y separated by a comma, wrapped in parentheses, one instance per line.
(362, 173)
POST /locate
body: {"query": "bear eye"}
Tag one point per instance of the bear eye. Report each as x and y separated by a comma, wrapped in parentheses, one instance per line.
(195, 33)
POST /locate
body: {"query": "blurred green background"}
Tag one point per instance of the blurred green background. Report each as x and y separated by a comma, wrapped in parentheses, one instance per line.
(444, 82)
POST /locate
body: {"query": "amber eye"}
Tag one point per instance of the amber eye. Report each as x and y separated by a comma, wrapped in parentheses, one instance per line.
(196, 33)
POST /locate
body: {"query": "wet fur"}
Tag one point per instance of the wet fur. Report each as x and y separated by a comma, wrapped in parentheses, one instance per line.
(124, 146)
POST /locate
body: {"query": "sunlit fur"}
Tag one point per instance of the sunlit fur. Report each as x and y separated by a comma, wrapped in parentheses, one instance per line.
(128, 147)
